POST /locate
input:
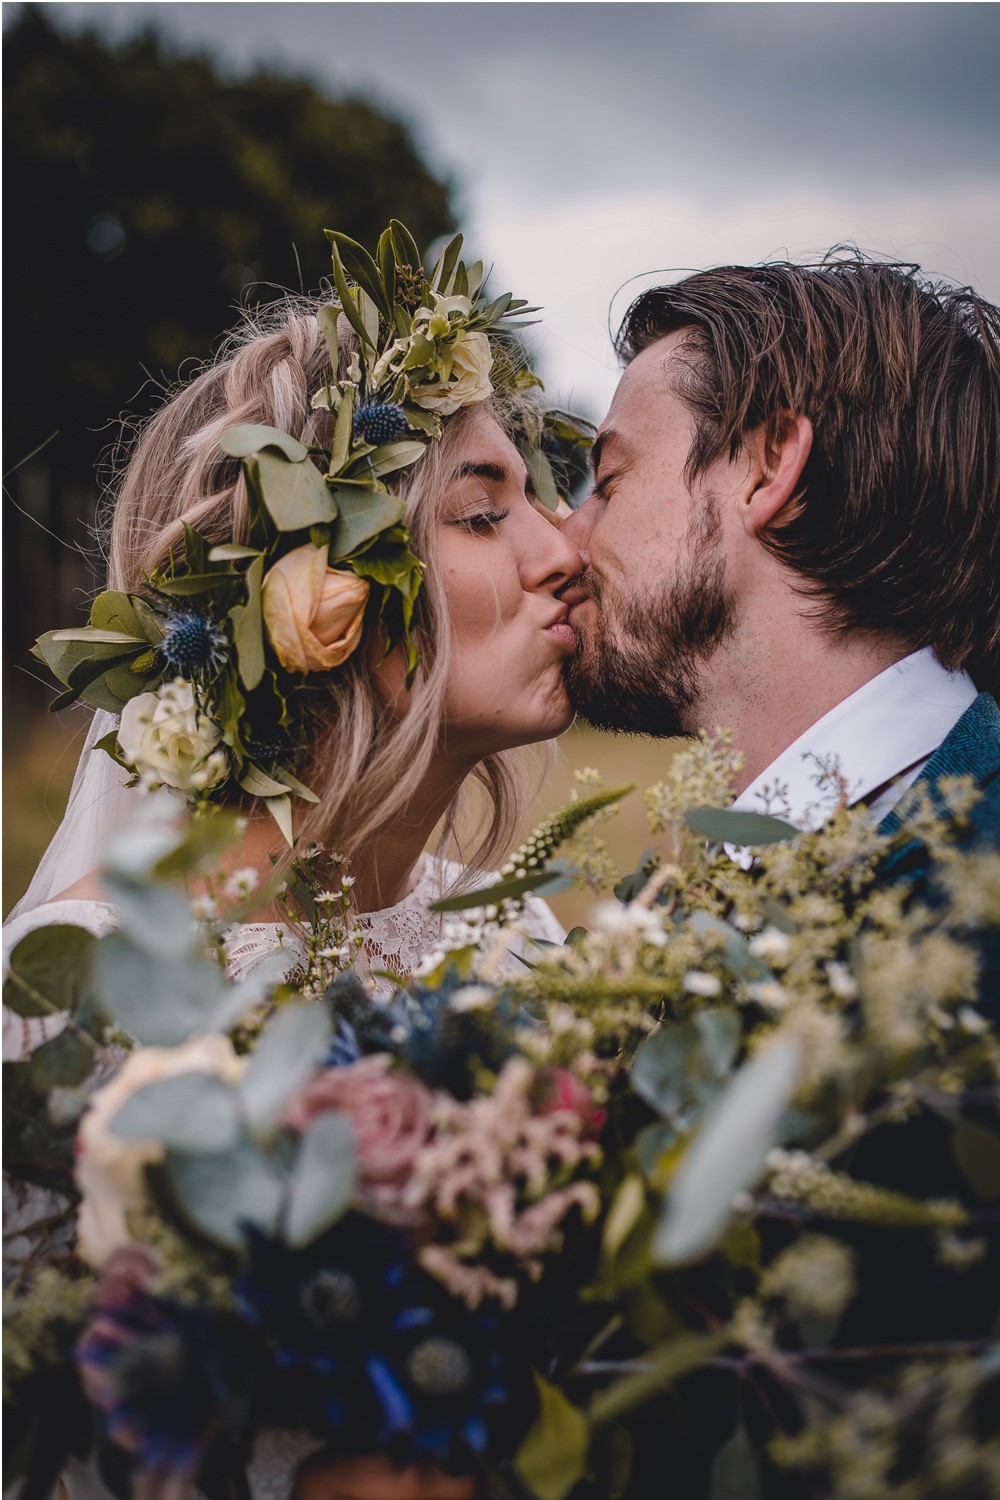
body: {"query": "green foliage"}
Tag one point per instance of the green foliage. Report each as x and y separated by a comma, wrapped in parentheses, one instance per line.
(553, 1457)
(213, 192)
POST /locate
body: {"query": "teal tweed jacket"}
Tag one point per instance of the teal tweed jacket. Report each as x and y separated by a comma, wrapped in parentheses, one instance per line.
(971, 749)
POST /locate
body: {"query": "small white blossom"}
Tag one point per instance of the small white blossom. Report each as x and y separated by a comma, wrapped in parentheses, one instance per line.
(242, 882)
(972, 1021)
(697, 982)
(346, 881)
(768, 992)
(470, 997)
(204, 909)
(771, 943)
(842, 982)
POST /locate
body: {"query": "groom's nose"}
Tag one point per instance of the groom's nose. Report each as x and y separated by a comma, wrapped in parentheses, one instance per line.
(577, 527)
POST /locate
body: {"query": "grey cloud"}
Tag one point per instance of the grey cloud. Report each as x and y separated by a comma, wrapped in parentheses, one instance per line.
(739, 99)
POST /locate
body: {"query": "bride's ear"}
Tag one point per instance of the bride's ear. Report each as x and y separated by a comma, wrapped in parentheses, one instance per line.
(778, 469)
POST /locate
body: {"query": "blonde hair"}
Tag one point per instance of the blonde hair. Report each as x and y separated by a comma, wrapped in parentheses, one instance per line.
(364, 762)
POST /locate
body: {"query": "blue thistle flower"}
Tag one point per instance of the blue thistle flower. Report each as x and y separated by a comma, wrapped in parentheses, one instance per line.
(379, 422)
(194, 645)
(169, 1380)
(268, 744)
(378, 1357)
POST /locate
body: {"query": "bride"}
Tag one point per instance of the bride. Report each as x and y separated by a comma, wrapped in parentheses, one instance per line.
(393, 723)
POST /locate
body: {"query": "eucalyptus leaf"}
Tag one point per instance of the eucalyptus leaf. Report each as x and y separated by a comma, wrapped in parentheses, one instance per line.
(346, 295)
(540, 470)
(651, 1147)
(502, 890)
(231, 552)
(257, 783)
(220, 1193)
(248, 628)
(322, 1178)
(113, 610)
(724, 826)
(195, 1112)
(736, 1470)
(736, 950)
(63, 1062)
(160, 1004)
(388, 459)
(295, 785)
(407, 252)
(362, 514)
(100, 637)
(679, 1069)
(326, 317)
(727, 1154)
(977, 1152)
(253, 437)
(623, 1215)
(296, 495)
(50, 970)
(343, 429)
(368, 308)
(361, 267)
(280, 809)
(286, 1056)
(445, 265)
(155, 918)
(553, 1457)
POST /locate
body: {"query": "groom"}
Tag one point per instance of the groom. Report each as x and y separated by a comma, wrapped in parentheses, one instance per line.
(794, 532)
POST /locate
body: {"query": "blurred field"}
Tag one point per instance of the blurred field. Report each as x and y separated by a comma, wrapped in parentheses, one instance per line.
(40, 757)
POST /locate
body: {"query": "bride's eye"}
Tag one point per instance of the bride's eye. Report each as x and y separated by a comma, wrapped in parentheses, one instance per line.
(483, 521)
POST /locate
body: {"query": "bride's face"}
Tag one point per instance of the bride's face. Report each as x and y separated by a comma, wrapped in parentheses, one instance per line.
(501, 561)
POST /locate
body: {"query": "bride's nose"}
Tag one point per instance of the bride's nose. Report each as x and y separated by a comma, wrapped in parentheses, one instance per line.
(551, 559)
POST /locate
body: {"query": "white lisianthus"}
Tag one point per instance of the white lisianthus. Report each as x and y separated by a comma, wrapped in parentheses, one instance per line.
(110, 1170)
(472, 360)
(168, 741)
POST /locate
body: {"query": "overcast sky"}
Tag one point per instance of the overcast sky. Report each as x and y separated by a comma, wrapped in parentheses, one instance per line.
(590, 144)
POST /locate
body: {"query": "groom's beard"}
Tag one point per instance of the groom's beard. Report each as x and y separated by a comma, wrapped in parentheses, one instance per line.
(638, 673)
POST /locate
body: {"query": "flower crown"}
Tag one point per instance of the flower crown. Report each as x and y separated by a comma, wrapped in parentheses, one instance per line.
(201, 665)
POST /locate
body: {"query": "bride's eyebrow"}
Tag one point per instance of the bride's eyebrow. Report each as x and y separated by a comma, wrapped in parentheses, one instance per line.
(492, 473)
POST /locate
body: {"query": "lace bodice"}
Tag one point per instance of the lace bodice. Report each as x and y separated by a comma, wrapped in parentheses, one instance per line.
(397, 940)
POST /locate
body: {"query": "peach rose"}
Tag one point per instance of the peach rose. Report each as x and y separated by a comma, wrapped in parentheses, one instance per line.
(109, 1170)
(312, 613)
(390, 1114)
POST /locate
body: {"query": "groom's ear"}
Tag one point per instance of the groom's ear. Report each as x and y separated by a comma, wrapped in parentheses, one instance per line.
(776, 466)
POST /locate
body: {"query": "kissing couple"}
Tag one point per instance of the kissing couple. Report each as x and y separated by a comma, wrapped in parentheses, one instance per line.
(792, 533)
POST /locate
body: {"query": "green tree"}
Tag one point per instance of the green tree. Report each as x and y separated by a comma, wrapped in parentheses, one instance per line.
(148, 195)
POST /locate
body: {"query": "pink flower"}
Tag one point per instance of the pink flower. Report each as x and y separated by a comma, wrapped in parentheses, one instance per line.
(391, 1117)
(558, 1089)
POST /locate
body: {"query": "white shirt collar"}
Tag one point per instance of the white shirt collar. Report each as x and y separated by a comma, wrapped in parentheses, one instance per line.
(890, 724)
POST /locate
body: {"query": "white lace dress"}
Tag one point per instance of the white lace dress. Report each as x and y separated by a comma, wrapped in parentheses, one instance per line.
(397, 939)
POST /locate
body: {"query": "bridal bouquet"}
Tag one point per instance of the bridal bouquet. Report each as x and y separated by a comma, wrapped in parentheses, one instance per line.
(704, 1202)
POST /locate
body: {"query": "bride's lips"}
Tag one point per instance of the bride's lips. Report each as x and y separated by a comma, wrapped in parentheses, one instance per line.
(561, 629)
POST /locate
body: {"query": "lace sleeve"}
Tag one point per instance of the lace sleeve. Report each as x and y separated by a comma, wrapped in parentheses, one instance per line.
(23, 1035)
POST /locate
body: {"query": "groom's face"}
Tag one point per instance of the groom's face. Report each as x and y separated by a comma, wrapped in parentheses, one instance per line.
(655, 600)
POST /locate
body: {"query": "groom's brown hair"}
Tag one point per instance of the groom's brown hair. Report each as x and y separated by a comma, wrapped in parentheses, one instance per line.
(896, 525)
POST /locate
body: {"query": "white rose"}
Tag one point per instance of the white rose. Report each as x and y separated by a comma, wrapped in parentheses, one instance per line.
(469, 382)
(169, 742)
(109, 1170)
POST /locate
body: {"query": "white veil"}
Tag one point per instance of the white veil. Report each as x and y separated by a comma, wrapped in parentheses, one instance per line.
(99, 804)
